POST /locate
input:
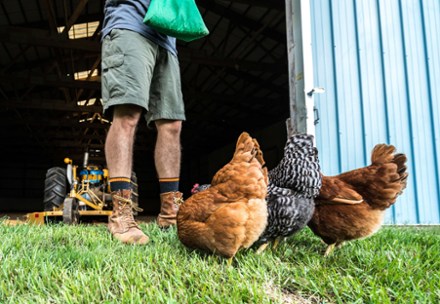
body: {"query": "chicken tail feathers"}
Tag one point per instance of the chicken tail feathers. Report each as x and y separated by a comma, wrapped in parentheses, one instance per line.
(246, 165)
(384, 180)
(247, 148)
(259, 153)
(382, 153)
(244, 144)
(400, 160)
(397, 176)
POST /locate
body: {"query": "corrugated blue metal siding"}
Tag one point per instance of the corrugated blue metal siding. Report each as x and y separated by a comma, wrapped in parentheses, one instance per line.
(379, 62)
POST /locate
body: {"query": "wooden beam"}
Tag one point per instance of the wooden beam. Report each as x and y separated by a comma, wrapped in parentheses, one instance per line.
(46, 122)
(50, 15)
(238, 18)
(51, 81)
(78, 10)
(55, 105)
(74, 143)
(186, 54)
(275, 4)
(61, 21)
(199, 57)
(37, 37)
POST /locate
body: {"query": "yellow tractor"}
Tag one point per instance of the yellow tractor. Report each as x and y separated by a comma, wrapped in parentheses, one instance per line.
(71, 194)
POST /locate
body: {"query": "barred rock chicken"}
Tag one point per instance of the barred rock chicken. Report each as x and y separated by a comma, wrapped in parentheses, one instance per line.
(299, 168)
(289, 210)
(288, 213)
(352, 205)
(232, 213)
(293, 184)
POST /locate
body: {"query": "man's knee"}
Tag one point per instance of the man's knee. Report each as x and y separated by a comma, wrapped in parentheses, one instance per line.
(169, 127)
(127, 116)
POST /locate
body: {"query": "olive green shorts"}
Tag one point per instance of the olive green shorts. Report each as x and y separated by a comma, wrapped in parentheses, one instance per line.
(137, 71)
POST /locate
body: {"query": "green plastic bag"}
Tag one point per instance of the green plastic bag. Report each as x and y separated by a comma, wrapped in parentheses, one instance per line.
(176, 18)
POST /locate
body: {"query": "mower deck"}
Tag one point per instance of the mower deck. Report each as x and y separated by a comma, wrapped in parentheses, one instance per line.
(39, 217)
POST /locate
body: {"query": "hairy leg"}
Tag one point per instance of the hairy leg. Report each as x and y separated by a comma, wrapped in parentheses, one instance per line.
(167, 154)
(120, 139)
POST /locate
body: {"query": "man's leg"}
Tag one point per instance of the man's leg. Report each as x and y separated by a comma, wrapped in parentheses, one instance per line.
(167, 153)
(119, 156)
(167, 157)
(120, 139)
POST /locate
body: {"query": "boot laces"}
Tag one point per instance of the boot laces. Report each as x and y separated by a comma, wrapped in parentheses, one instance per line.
(126, 206)
(178, 201)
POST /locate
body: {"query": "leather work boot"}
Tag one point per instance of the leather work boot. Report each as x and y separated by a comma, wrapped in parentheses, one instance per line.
(169, 205)
(121, 223)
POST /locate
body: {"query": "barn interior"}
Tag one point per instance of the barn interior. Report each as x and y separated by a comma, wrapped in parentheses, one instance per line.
(234, 80)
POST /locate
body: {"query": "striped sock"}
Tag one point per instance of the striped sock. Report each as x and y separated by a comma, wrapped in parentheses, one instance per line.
(119, 183)
(170, 184)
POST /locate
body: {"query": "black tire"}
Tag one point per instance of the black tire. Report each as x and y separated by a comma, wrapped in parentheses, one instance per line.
(55, 188)
(70, 211)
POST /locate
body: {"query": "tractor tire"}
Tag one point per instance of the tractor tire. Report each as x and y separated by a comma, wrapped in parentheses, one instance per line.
(55, 188)
(134, 192)
(70, 211)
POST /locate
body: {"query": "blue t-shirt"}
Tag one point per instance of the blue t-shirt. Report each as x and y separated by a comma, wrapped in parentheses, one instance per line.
(129, 14)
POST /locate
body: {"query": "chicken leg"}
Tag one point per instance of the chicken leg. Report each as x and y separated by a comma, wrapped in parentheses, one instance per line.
(277, 242)
(332, 247)
(262, 248)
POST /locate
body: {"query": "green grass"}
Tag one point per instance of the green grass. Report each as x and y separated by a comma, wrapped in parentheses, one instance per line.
(83, 264)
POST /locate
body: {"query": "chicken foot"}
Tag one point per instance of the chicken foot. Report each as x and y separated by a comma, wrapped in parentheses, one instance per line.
(229, 261)
(277, 242)
(262, 248)
(332, 247)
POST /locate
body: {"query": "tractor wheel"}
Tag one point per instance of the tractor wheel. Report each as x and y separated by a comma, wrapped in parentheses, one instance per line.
(134, 192)
(70, 211)
(55, 188)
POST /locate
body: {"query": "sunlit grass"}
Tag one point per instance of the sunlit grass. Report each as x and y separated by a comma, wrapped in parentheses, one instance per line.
(83, 264)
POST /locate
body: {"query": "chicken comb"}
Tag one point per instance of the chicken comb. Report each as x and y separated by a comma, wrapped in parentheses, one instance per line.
(194, 188)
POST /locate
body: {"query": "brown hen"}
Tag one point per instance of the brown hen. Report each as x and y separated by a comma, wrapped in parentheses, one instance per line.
(352, 205)
(232, 213)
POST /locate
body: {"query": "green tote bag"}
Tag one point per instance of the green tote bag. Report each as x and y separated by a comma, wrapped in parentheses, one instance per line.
(176, 18)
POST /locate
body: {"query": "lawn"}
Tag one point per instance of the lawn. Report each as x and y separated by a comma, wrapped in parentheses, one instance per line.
(83, 264)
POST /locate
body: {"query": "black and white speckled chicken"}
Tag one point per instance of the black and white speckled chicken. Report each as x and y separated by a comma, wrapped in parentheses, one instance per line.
(293, 184)
(299, 168)
(287, 214)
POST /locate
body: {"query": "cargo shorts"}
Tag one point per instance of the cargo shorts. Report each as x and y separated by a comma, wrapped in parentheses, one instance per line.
(137, 71)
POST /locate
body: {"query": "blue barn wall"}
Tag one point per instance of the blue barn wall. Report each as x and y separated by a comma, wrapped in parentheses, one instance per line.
(379, 62)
